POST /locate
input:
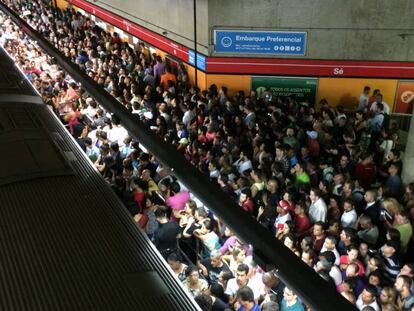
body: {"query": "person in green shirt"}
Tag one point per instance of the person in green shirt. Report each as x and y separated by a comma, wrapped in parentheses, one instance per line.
(290, 301)
(301, 177)
(403, 225)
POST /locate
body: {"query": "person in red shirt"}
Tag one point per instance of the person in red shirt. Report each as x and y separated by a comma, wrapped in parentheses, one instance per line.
(365, 171)
(246, 202)
(318, 236)
(351, 257)
(302, 223)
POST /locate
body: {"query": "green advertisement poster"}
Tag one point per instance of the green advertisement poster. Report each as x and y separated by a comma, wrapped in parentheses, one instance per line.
(303, 89)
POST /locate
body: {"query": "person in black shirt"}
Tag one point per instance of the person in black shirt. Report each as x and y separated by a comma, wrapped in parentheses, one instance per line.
(212, 266)
(267, 213)
(165, 237)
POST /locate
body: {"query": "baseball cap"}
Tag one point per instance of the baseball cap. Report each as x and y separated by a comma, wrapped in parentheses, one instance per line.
(312, 134)
(284, 205)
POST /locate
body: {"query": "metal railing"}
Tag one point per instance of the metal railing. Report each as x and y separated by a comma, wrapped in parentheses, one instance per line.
(268, 251)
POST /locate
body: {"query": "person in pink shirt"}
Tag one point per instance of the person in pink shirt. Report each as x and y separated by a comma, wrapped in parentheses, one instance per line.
(177, 200)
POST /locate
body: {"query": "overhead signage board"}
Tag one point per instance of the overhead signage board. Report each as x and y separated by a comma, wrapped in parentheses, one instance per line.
(201, 60)
(229, 41)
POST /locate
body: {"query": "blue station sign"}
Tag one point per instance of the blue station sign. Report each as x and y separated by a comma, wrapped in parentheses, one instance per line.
(260, 42)
(201, 60)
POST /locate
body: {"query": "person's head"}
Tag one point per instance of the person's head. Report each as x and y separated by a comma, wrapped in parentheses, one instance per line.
(378, 98)
(365, 222)
(289, 241)
(289, 295)
(370, 196)
(160, 213)
(215, 258)
(363, 249)
(217, 290)
(408, 270)
(272, 185)
(348, 235)
(174, 261)
(352, 270)
(242, 274)
(401, 218)
(330, 242)
(390, 248)
(270, 306)
(394, 169)
(306, 243)
(352, 252)
(308, 257)
(245, 195)
(392, 206)
(348, 205)
(387, 295)
(368, 294)
(283, 207)
(245, 297)
(300, 208)
(375, 263)
(314, 195)
(375, 278)
(319, 229)
(367, 89)
(269, 279)
(403, 284)
(192, 274)
(205, 302)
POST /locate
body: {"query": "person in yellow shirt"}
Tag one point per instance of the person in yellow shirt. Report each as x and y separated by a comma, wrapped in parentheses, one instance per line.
(152, 186)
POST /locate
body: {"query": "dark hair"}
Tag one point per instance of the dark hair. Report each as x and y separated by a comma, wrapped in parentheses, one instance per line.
(371, 289)
(377, 273)
(333, 238)
(190, 269)
(317, 192)
(243, 268)
(329, 256)
(270, 306)
(205, 302)
(247, 192)
(160, 212)
(246, 294)
(321, 224)
(174, 257)
(217, 291)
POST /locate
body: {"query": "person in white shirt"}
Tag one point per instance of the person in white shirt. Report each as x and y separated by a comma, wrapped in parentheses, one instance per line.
(318, 208)
(378, 100)
(349, 217)
(243, 163)
(363, 99)
(118, 133)
(330, 245)
(368, 298)
(91, 109)
(242, 279)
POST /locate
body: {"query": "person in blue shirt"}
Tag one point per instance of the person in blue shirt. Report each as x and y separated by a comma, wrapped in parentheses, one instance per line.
(245, 299)
(290, 301)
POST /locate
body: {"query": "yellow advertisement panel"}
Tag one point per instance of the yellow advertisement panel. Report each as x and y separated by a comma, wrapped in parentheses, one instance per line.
(346, 92)
(234, 83)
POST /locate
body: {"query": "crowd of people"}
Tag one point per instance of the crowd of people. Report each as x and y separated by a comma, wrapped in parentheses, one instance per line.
(326, 182)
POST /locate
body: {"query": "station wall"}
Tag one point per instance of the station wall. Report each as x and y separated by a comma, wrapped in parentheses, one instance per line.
(337, 29)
